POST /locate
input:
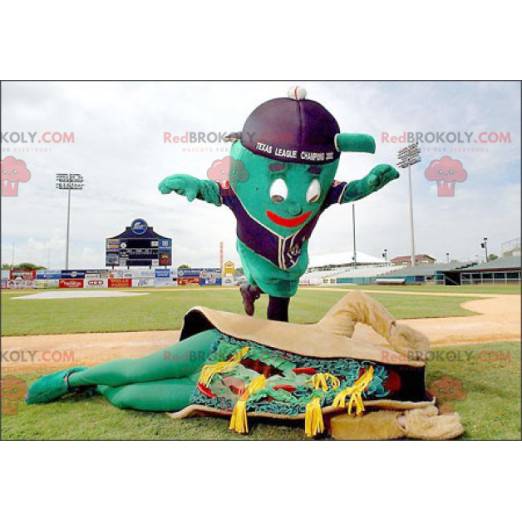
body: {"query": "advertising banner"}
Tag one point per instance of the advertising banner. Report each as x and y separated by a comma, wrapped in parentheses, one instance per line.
(162, 272)
(20, 283)
(100, 274)
(161, 282)
(184, 281)
(49, 283)
(71, 283)
(213, 281)
(96, 282)
(210, 276)
(4, 283)
(45, 283)
(143, 273)
(164, 258)
(72, 274)
(5, 274)
(48, 274)
(27, 275)
(120, 282)
(143, 282)
(229, 268)
(189, 272)
(228, 281)
(112, 245)
(111, 259)
(120, 274)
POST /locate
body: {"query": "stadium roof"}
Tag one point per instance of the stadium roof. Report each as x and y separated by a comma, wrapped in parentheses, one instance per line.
(502, 263)
(429, 269)
(342, 258)
(148, 234)
(407, 259)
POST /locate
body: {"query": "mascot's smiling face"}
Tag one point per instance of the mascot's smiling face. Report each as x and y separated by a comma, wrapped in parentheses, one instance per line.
(282, 196)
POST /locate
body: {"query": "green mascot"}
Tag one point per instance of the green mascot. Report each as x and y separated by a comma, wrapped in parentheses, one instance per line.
(280, 180)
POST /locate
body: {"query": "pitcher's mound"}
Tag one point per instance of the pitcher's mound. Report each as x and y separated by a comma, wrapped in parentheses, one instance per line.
(74, 294)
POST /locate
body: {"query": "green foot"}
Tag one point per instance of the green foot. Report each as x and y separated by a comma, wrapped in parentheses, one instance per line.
(50, 387)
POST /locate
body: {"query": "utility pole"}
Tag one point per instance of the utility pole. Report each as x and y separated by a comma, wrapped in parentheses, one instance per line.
(409, 156)
(447, 257)
(68, 182)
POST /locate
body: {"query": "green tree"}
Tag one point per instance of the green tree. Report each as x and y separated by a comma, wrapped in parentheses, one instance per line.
(492, 257)
(23, 266)
(181, 267)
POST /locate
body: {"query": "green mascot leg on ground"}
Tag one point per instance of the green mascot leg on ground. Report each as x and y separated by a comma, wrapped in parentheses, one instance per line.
(167, 372)
(177, 361)
(165, 395)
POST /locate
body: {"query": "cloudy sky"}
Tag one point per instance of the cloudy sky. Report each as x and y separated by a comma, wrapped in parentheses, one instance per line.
(119, 147)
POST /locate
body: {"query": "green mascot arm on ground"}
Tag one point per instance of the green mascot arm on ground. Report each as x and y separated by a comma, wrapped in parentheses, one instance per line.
(378, 177)
(191, 188)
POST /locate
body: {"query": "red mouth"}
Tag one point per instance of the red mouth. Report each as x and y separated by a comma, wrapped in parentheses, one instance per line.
(288, 222)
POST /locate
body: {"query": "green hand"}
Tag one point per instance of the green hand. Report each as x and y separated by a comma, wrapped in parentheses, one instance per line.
(181, 184)
(375, 180)
(379, 176)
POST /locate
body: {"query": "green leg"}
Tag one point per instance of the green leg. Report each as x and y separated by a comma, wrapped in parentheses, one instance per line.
(166, 395)
(179, 360)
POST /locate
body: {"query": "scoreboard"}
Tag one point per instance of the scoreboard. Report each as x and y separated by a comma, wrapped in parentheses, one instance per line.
(138, 245)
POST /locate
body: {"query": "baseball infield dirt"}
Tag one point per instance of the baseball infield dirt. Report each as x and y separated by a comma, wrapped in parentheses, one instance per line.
(499, 320)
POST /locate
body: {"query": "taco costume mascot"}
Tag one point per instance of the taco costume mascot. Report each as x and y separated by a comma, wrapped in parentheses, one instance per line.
(280, 181)
(244, 367)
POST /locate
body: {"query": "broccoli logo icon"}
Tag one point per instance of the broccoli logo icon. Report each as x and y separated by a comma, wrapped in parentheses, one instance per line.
(219, 171)
(13, 172)
(446, 171)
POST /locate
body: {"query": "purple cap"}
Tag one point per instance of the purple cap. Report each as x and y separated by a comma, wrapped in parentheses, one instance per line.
(292, 129)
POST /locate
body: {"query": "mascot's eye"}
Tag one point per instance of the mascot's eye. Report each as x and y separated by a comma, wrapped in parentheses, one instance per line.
(314, 192)
(278, 191)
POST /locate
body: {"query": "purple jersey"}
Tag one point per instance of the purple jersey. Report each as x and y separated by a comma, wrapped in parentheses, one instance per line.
(282, 251)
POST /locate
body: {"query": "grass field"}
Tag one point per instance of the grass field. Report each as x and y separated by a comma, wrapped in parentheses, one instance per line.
(164, 309)
(485, 390)
(464, 289)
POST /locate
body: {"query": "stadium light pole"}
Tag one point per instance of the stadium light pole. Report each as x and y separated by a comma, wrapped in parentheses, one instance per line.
(385, 255)
(68, 182)
(484, 245)
(409, 156)
(447, 257)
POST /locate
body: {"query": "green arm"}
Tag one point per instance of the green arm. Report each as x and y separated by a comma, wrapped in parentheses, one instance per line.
(346, 142)
(375, 180)
(191, 188)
